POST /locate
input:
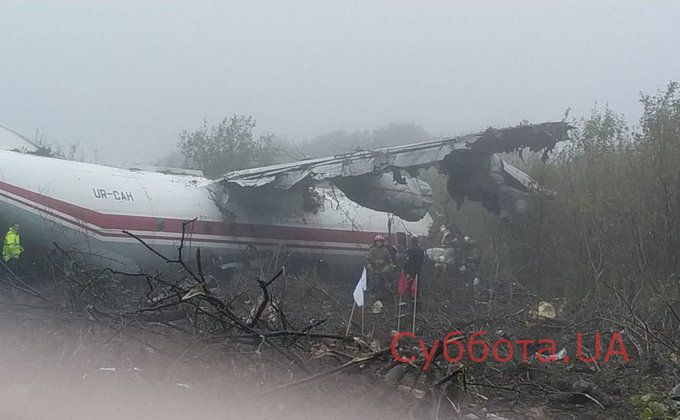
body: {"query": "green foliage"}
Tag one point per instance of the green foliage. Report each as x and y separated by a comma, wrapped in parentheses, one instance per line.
(229, 146)
(652, 407)
(614, 219)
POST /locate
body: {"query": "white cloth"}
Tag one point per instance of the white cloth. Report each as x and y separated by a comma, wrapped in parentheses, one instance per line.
(360, 289)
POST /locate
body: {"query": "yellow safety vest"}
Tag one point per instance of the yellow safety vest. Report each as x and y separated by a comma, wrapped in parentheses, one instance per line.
(12, 247)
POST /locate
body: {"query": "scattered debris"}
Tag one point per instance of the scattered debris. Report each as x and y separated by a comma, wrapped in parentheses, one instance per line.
(298, 327)
(546, 310)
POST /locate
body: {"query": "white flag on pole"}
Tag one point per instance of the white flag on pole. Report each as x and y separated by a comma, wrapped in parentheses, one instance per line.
(360, 289)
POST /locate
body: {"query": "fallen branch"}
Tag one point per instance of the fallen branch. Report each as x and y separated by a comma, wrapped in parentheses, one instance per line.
(337, 369)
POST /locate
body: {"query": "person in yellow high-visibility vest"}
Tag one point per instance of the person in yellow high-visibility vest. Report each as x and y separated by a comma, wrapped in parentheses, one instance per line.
(12, 248)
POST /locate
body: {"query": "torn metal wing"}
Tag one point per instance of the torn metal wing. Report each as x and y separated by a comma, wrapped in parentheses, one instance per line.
(536, 137)
(469, 161)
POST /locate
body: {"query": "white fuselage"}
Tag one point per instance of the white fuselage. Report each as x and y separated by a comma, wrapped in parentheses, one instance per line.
(86, 208)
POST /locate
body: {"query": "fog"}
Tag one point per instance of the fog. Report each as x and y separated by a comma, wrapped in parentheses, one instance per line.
(124, 78)
(69, 370)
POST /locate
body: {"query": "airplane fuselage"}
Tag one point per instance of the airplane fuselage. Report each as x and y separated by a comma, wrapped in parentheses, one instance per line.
(87, 208)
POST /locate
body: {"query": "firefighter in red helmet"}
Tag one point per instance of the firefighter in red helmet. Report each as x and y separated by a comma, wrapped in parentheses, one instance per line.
(380, 264)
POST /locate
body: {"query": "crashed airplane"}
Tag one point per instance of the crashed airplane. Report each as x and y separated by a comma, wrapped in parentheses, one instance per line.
(328, 208)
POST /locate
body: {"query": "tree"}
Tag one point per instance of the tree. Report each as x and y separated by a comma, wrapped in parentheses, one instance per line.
(614, 219)
(229, 146)
(340, 141)
(46, 148)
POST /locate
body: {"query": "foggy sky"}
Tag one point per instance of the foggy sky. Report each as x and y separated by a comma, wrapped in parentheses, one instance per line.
(125, 78)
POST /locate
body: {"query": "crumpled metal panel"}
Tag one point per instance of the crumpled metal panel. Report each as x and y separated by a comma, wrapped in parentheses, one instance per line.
(255, 182)
(524, 180)
(405, 196)
(415, 156)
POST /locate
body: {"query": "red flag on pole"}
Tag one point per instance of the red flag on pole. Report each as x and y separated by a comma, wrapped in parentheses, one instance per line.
(403, 285)
(414, 287)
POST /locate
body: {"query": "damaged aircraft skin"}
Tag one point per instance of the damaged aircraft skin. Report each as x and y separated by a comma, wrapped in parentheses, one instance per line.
(328, 208)
(380, 179)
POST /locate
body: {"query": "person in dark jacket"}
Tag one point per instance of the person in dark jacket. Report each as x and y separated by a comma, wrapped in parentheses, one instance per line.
(414, 259)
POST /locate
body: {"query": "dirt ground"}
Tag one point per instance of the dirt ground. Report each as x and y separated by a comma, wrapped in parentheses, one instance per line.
(69, 369)
(62, 364)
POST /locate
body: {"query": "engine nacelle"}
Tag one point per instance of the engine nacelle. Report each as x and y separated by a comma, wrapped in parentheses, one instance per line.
(399, 193)
(499, 186)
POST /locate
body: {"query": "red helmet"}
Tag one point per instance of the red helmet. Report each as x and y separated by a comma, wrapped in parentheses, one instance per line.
(378, 237)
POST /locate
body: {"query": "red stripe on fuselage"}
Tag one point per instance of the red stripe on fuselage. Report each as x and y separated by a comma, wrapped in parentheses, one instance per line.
(217, 229)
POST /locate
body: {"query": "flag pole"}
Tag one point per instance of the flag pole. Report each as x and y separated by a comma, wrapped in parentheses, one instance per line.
(402, 287)
(363, 294)
(351, 315)
(359, 295)
(415, 303)
(399, 314)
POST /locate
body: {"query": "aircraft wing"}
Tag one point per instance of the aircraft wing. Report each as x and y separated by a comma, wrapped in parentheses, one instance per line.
(414, 156)
(474, 170)
(13, 141)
